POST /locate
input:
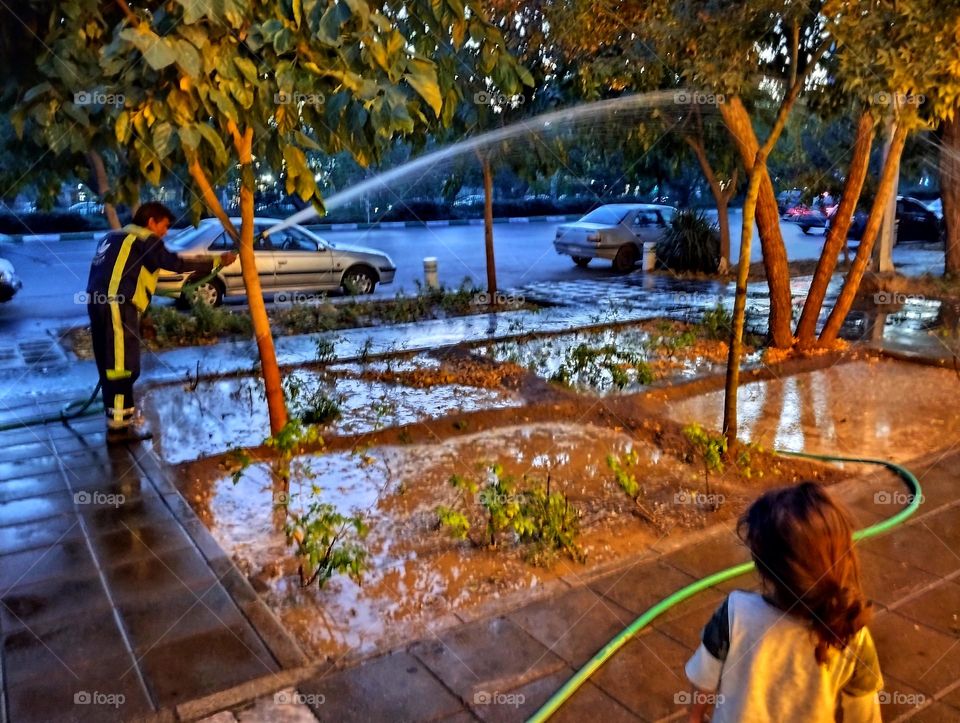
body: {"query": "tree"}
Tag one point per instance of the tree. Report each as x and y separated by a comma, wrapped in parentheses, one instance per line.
(950, 191)
(275, 79)
(899, 56)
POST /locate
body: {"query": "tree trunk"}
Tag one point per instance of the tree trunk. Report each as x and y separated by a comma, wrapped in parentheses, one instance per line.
(950, 191)
(210, 198)
(276, 404)
(837, 237)
(488, 228)
(740, 304)
(720, 196)
(103, 187)
(737, 120)
(850, 285)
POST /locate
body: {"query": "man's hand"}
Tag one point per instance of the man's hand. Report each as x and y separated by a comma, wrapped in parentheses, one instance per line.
(227, 258)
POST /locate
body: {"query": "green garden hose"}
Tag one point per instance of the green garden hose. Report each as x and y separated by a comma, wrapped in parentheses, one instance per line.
(584, 674)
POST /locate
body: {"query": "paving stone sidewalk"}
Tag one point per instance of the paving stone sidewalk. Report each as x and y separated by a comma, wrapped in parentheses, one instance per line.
(502, 668)
(113, 606)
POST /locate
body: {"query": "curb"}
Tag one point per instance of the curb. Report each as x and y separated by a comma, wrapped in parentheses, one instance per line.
(19, 238)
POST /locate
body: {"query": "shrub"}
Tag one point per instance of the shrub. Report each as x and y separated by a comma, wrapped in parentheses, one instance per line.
(691, 243)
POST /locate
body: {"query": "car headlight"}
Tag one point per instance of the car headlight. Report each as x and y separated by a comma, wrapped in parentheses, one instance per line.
(595, 237)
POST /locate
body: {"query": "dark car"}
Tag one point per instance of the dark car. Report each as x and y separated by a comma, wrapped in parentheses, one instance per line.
(807, 217)
(788, 199)
(915, 222)
(9, 282)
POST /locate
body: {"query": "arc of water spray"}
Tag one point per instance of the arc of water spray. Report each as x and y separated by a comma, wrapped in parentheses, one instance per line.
(537, 123)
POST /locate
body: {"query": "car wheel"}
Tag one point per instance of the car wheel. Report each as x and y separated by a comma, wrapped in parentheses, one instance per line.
(210, 292)
(626, 258)
(358, 281)
(581, 261)
(805, 229)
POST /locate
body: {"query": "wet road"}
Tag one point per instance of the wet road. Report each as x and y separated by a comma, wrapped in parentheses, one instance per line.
(54, 273)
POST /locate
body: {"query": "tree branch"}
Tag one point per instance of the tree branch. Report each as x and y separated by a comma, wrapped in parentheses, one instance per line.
(199, 177)
(128, 13)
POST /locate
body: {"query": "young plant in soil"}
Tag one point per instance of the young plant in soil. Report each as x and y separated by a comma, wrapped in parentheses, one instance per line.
(326, 541)
(711, 450)
(310, 407)
(624, 471)
(537, 516)
(595, 365)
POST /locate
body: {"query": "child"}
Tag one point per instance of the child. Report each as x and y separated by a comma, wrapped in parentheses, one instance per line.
(801, 651)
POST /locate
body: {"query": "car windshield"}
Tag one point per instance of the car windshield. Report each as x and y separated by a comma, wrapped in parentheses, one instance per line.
(605, 214)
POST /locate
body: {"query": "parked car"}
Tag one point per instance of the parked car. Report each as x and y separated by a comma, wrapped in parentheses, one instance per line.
(292, 259)
(87, 208)
(616, 232)
(9, 281)
(915, 222)
(935, 207)
(807, 217)
(788, 199)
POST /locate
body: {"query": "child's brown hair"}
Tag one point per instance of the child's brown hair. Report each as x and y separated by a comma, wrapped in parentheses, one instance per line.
(801, 541)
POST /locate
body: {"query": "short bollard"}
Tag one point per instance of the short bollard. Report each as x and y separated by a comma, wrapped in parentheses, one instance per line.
(649, 255)
(430, 272)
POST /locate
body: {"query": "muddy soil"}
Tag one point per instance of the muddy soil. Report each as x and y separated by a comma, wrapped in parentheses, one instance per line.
(418, 573)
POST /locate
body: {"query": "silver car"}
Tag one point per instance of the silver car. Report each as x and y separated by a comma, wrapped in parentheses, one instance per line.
(292, 259)
(616, 232)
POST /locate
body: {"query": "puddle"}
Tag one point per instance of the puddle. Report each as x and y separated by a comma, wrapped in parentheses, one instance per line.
(418, 575)
(589, 360)
(867, 408)
(228, 413)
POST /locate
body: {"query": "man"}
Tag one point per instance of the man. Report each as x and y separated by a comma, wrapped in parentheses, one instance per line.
(123, 276)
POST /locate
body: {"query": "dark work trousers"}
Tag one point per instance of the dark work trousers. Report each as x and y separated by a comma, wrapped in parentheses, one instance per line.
(116, 346)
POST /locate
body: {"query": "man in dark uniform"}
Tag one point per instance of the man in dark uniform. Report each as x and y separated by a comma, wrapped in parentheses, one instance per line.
(123, 276)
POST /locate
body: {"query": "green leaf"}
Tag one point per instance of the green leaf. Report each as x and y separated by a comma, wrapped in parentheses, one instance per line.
(421, 75)
(157, 51)
(194, 10)
(328, 31)
(188, 59)
(211, 136)
(162, 139)
(190, 138)
(121, 127)
(36, 91)
(248, 68)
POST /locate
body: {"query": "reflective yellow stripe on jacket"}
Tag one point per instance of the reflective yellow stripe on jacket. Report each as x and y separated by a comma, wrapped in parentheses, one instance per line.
(119, 371)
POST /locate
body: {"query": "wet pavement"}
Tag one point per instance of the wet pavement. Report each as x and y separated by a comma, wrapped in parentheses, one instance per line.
(502, 668)
(110, 608)
(117, 603)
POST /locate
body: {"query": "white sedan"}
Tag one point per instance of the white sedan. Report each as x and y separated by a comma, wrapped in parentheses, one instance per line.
(615, 232)
(291, 259)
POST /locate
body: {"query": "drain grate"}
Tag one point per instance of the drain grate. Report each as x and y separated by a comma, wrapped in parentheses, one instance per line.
(43, 352)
